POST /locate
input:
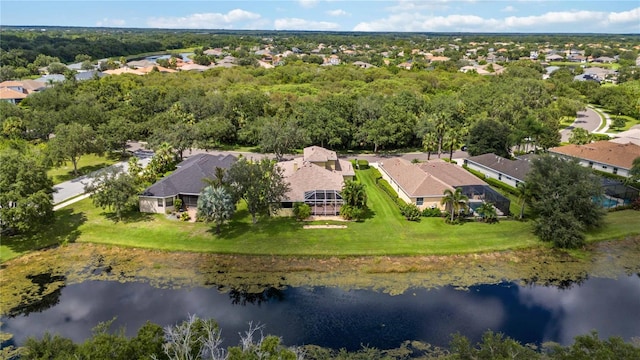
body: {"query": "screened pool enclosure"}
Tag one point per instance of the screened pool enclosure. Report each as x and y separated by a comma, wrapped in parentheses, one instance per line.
(323, 202)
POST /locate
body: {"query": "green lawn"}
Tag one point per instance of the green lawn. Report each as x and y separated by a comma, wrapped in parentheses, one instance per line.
(629, 122)
(384, 232)
(87, 164)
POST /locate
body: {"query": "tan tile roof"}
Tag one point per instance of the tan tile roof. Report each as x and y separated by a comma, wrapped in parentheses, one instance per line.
(124, 70)
(32, 85)
(450, 174)
(6, 93)
(304, 176)
(605, 152)
(428, 179)
(412, 179)
(318, 154)
(10, 83)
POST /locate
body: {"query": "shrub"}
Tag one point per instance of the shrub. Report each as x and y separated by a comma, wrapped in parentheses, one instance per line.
(351, 212)
(301, 211)
(635, 205)
(410, 212)
(177, 204)
(185, 216)
(431, 212)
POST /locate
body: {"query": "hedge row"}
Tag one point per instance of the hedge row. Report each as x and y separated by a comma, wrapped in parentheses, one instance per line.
(493, 182)
(404, 208)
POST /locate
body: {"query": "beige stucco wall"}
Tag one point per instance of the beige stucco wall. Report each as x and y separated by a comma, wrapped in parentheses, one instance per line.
(150, 205)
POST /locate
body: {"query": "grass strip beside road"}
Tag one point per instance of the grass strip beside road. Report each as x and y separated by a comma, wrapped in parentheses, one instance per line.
(87, 164)
(385, 232)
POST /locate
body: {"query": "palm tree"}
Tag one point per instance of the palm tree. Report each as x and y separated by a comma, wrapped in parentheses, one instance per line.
(215, 204)
(524, 195)
(354, 194)
(455, 200)
(634, 173)
(487, 212)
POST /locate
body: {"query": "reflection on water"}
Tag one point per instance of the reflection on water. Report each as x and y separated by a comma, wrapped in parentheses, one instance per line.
(337, 318)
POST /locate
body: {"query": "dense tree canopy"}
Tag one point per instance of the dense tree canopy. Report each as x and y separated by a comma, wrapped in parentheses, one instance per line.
(260, 184)
(25, 192)
(564, 198)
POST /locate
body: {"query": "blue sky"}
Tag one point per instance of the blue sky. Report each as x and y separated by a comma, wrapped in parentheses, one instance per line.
(530, 16)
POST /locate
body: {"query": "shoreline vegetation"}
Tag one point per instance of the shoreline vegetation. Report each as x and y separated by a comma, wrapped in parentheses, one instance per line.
(384, 232)
(75, 263)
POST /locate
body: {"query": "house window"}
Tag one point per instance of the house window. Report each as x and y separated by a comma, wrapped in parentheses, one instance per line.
(419, 201)
(590, 163)
(170, 201)
(160, 202)
(499, 176)
(615, 170)
(604, 166)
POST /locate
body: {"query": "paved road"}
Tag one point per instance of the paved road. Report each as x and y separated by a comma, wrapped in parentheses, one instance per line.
(75, 187)
(587, 119)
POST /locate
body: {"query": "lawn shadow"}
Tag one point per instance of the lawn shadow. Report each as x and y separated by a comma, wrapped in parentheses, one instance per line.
(368, 214)
(85, 170)
(64, 229)
(128, 217)
(239, 227)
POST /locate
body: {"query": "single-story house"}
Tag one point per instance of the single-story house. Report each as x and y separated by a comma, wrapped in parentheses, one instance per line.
(185, 183)
(510, 172)
(316, 179)
(423, 184)
(11, 96)
(606, 156)
(15, 91)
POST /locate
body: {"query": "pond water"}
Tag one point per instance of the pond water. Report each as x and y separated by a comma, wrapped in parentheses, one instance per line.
(337, 318)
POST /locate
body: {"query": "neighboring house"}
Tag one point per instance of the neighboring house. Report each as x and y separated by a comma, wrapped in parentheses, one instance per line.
(629, 136)
(185, 183)
(510, 172)
(606, 156)
(423, 184)
(123, 70)
(363, 64)
(89, 75)
(554, 57)
(316, 179)
(11, 96)
(604, 60)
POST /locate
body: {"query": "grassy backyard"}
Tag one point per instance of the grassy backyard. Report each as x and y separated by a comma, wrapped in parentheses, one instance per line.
(87, 164)
(384, 232)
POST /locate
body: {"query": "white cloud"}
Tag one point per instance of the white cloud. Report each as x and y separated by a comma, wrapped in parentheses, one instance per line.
(410, 5)
(302, 24)
(308, 3)
(625, 16)
(205, 20)
(508, 9)
(111, 22)
(337, 12)
(415, 21)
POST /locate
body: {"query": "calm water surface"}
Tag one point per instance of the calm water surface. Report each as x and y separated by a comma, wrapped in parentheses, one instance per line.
(336, 318)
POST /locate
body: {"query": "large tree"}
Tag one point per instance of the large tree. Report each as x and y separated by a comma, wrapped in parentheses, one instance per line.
(562, 199)
(489, 136)
(71, 142)
(114, 189)
(260, 183)
(25, 192)
(281, 136)
(215, 204)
